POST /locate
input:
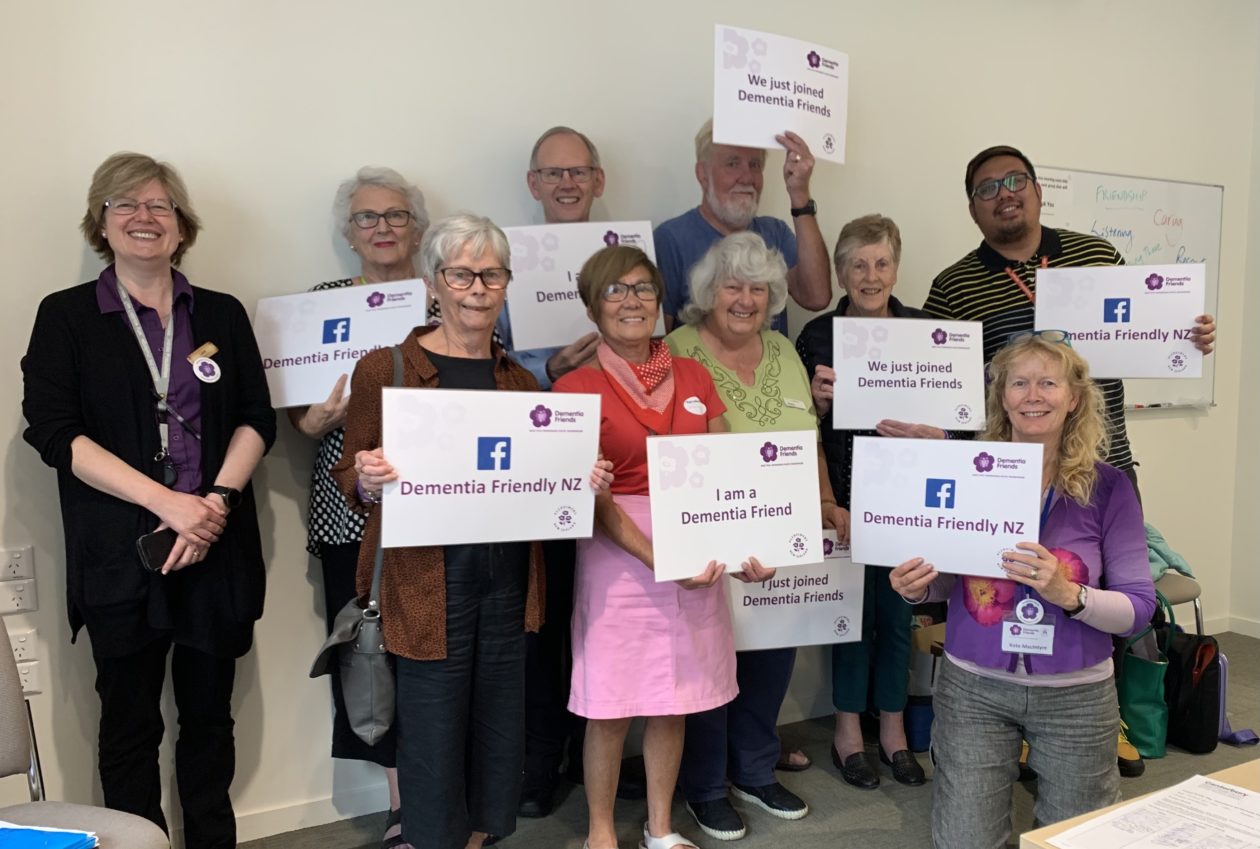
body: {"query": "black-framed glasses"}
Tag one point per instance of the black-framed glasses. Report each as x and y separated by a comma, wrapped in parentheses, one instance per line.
(1054, 337)
(989, 189)
(618, 291)
(130, 206)
(580, 174)
(462, 278)
(366, 219)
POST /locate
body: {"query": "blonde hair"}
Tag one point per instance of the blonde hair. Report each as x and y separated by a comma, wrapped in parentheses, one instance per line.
(1084, 441)
(127, 172)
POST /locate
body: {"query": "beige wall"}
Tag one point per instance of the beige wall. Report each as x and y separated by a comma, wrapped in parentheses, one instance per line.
(266, 105)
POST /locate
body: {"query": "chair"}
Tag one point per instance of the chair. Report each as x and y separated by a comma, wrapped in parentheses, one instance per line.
(1179, 589)
(19, 754)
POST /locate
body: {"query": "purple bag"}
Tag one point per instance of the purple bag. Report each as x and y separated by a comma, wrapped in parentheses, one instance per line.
(1242, 737)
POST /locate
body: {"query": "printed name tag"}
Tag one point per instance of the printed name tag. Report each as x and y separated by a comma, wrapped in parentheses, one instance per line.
(695, 406)
(1023, 638)
(794, 404)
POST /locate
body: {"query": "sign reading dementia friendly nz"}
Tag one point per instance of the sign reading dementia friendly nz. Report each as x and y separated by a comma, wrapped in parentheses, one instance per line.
(958, 504)
(309, 340)
(908, 370)
(729, 496)
(544, 306)
(487, 466)
(815, 604)
(1126, 320)
(764, 84)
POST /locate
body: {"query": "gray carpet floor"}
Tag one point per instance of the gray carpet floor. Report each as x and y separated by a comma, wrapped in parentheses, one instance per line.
(892, 816)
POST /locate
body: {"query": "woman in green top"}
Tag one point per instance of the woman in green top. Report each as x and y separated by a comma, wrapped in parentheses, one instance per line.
(736, 290)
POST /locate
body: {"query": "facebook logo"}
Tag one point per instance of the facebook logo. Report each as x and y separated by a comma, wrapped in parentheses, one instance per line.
(939, 493)
(494, 453)
(336, 330)
(1116, 310)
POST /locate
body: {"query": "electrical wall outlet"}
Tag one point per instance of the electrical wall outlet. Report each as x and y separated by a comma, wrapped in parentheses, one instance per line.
(17, 563)
(30, 678)
(18, 596)
(23, 643)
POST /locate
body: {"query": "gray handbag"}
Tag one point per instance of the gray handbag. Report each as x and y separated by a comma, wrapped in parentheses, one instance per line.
(358, 643)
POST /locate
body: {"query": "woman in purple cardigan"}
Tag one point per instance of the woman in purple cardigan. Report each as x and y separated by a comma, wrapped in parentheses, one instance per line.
(1087, 576)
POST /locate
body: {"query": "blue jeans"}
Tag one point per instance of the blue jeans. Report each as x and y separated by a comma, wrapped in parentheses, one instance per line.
(1071, 733)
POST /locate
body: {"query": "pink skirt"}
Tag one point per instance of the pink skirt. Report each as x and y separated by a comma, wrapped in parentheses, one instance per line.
(641, 648)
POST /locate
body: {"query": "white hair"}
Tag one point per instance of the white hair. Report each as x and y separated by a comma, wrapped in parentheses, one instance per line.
(740, 256)
(388, 178)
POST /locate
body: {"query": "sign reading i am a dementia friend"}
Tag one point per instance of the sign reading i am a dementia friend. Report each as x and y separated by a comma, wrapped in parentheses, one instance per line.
(1126, 320)
(486, 466)
(729, 496)
(764, 84)
(544, 307)
(815, 604)
(910, 370)
(957, 504)
(309, 340)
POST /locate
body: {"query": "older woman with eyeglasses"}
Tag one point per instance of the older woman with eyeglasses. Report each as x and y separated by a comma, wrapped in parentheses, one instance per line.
(147, 395)
(382, 217)
(454, 616)
(1086, 577)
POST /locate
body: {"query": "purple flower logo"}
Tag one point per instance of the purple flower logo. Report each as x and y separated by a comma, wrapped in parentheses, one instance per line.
(1029, 611)
(813, 59)
(611, 239)
(540, 416)
(1154, 282)
(939, 336)
(375, 299)
(828, 547)
(983, 461)
(1016, 630)
(207, 368)
(769, 453)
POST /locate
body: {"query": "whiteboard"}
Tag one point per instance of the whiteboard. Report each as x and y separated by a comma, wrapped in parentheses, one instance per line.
(1150, 222)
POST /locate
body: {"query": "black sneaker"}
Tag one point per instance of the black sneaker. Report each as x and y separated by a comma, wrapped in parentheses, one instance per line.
(773, 798)
(718, 819)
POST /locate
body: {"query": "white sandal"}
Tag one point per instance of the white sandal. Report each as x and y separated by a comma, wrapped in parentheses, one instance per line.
(669, 841)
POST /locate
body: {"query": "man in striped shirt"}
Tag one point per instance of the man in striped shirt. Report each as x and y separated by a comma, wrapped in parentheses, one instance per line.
(995, 284)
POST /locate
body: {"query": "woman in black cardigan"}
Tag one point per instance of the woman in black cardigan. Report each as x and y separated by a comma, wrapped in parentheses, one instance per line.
(148, 397)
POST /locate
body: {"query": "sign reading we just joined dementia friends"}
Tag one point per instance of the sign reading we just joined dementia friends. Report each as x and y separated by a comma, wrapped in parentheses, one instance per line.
(957, 504)
(764, 84)
(485, 466)
(1126, 320)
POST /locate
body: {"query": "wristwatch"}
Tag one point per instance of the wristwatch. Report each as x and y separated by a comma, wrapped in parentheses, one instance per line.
(1081, 596)
(810, 208)
(231, 497)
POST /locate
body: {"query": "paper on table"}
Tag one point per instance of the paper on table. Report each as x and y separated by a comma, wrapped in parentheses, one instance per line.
(1199, 812)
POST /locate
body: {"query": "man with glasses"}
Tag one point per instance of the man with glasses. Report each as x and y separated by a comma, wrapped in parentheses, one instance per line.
(730, 180)
(996, 284)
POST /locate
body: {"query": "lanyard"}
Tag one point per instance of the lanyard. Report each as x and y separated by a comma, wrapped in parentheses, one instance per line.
(1045, 514)
(1023, 287)
(162, 377)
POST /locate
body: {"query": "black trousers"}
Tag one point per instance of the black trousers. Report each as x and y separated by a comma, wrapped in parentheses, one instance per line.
(548, 670)
(340, 562)
(461, 720)
(131, 730)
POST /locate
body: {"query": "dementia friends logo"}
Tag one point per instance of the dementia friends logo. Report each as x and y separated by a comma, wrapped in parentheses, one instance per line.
(983, 461)
(540, 416)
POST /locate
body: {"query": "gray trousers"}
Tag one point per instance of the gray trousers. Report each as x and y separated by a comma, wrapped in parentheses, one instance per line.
(1071, 733)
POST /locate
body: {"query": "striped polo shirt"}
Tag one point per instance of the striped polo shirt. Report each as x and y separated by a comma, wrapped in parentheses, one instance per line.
(977, 288)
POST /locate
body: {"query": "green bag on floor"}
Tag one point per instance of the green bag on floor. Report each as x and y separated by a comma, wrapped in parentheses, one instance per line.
(1140, 686)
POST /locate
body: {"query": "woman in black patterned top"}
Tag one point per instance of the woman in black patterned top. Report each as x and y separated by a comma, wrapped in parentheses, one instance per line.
(383, 218)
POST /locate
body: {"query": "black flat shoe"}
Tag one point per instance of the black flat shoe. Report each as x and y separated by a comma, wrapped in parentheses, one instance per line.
(905, 768)
(538, 795)
(856, 770)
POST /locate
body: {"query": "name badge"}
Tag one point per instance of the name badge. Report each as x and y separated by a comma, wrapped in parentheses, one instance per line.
(794, 404)
(206, 351)
(1022, 638)
(695, 406)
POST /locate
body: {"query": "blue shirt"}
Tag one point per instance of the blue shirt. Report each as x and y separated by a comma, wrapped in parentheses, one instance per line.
(681, 242)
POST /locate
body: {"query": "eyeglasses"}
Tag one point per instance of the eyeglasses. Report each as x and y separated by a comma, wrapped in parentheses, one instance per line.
(580, 174)
(462, 278)
(989, 189)
(618, 291)
(1054, 337)
(366, 219)
(129, 206)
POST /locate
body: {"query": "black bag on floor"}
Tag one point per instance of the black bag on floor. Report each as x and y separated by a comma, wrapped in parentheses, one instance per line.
(1192, 684)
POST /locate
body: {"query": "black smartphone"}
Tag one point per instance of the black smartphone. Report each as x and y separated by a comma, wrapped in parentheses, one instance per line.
(154, 548)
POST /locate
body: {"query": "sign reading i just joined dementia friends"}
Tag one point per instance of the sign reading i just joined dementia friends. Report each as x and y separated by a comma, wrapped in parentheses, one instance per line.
(487, 466)
(909, 370)
(957, 504)
(544, 307)
(764, 84)
(731, 496)
(310, 339)
(1126, 320)
(808, 606)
